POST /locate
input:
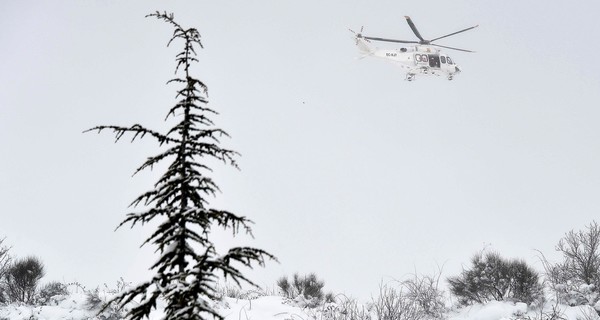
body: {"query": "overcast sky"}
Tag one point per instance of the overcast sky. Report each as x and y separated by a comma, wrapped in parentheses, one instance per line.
(348, 170)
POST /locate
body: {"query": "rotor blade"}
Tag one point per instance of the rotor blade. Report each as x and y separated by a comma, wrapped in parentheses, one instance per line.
(390, 40)
(437, 45)
(414, 28)
(463, 30)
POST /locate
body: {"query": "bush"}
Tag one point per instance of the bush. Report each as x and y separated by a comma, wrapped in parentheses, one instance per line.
(230, 291)
(576, 279)
(5, 260)
(581, 252)
(346, 308)
(491, 277)
(98, 300)
(423, 290)
(308, 289)
(286, 288)
(52, 292)
(22, 278)
(525, 283)
(93, 300)
(418, 297)
(394, 304)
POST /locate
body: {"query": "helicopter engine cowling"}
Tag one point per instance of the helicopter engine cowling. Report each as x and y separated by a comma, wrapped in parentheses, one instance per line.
(427, 49)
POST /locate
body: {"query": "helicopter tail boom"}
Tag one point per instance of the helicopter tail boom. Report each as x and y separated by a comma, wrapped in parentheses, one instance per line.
(364, 47)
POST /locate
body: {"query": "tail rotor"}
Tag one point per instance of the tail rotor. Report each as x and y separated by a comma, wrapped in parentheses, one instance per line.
(362, 42)
(358, 35)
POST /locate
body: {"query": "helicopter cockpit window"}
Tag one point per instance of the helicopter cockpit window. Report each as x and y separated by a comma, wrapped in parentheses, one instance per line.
(421, 57)
(443, 59)
(449, 60)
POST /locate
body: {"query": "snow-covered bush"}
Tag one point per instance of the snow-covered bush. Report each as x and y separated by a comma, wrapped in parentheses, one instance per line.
(305, 290)
(230, 291)
(576, 279)
(393, 303)
(100, 301)
(345, 308)
(22, 278)
(415, 298)
(492, 277)
(93, 300)
(236, 292)
(548, 312)
(51, 293)
(5, 260)
(576, 295)
(424, 291)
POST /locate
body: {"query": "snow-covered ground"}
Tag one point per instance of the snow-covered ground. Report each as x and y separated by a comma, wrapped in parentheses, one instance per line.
(76, 307)
(70, 307)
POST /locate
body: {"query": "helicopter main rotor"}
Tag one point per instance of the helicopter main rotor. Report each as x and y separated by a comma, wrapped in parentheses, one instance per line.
(421, 41)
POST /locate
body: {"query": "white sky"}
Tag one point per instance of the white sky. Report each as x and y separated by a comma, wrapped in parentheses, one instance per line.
(348, 170)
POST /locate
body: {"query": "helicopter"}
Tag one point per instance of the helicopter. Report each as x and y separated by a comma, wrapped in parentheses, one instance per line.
(424, 57)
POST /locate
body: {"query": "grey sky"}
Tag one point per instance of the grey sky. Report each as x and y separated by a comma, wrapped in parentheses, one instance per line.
(347, 169)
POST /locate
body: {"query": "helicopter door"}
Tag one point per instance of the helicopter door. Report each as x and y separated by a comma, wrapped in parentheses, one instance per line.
(446, 64)
(434, 61)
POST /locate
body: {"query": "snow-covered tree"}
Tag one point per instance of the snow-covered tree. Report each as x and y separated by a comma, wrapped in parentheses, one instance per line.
(576, 279)
(5, 260)
(189, 264)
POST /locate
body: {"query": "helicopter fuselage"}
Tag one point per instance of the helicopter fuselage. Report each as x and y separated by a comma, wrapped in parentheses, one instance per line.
(422, 60)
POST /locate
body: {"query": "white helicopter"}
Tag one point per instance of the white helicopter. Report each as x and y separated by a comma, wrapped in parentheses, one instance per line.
(422, 58)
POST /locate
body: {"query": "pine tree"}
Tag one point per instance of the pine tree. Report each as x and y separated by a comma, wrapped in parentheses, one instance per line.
(185, 275)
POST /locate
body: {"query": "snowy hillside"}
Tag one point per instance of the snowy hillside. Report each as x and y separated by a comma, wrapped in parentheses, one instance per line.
(76, 307)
